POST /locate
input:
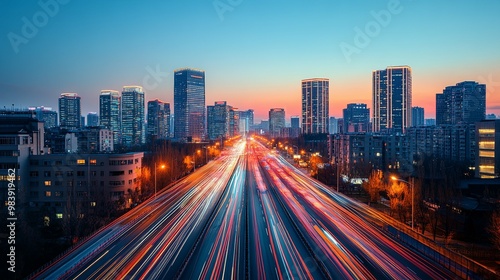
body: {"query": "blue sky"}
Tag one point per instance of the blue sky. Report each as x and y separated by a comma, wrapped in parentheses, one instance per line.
(254, 52)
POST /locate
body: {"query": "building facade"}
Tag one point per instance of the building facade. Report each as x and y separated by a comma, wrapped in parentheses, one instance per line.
(158, 126)
(356, 118)
(110, 113)
(392, 99)
(69, 111)
(417, 116)
(464, 102)
(218, 120)
(61, 185)
(315, 105)
(92, 119)
(189, 104)
(488, 149)
(276, 121)
(132, 116)
(46, 115)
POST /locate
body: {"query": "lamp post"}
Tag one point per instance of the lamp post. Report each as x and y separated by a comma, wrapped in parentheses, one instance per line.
(412, 186)
(156, 168)
(194, 159)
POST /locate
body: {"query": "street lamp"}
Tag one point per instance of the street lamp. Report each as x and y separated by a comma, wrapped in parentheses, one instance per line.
(412, 186)
(162, 167)
(194, 159)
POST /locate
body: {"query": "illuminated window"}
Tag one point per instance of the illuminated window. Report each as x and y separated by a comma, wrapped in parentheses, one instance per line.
(48, 194)
(490, 145)
(486, 153)
(93, 204)
(48, 183)
(80, 162)
(59, 215)
(486, 131)
(93, 161)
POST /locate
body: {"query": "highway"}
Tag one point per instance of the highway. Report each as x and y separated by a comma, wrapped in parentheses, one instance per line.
(248, 214)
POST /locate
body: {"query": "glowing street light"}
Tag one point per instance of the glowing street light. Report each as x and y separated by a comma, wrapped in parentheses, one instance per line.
(412, 186)
(162, 167)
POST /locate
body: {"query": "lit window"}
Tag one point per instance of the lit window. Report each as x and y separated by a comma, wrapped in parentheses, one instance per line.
(93, 161)
(80, 162)
(48, 183)
(93, 204)
(48, 194)
(59, 215)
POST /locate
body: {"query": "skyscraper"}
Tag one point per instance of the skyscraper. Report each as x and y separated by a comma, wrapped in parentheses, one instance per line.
(46, 115)
(132, 116)
(356, 118)
(246, 121)
(276, 121)
(392, 99)
(158, 126)
(417, 116)
(464, 102)
(315, 105)
(189, 104)
(110, 113)
(295, 122)
(69, 111)
(218, 120)
(92, 119)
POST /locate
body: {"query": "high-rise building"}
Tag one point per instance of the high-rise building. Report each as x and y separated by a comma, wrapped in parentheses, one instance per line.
(276, 121)
(430, 122)
(234, 121)
(132, 116)
(392, 99)
(464, 102)
(218, 120)
(356, 118)
(315, 105)
(417, 116)
(295, 122)
(92, 119)
(246, 121)
(110, 113)
(189, 104)
(333, 125)
(69, 111)
(46, 115)
(158, 126)
(488, 149)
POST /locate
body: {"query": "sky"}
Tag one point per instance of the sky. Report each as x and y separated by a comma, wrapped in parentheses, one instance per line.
(254, 53)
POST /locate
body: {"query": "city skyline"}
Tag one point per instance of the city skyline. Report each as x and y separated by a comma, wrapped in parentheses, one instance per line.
(244, 57)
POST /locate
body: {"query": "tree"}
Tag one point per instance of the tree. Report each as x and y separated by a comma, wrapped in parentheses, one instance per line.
(494, 229)
(314, 161)
(375, 185)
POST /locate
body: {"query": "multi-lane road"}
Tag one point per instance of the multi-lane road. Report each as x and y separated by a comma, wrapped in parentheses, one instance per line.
(248, 214)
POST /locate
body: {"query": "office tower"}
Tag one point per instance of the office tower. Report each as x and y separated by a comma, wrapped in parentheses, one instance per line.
(356, 118)
(189, 104)
(246, 121)
(392, 99)
(333, 125)
(295, 122)
(488, 149)
(218, 120)
(276, 121)
(315, 105)
(46, 115)
(92, 119)
(110, 113)
(234, 121)
(464, 102)
(132, 116)
(158, 126)
(417, 116)
(69, 111)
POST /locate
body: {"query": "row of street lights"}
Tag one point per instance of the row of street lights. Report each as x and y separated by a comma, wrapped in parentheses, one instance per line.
(412, 187)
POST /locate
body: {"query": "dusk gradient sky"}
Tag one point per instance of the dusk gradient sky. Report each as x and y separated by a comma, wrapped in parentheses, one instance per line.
(255, 53)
